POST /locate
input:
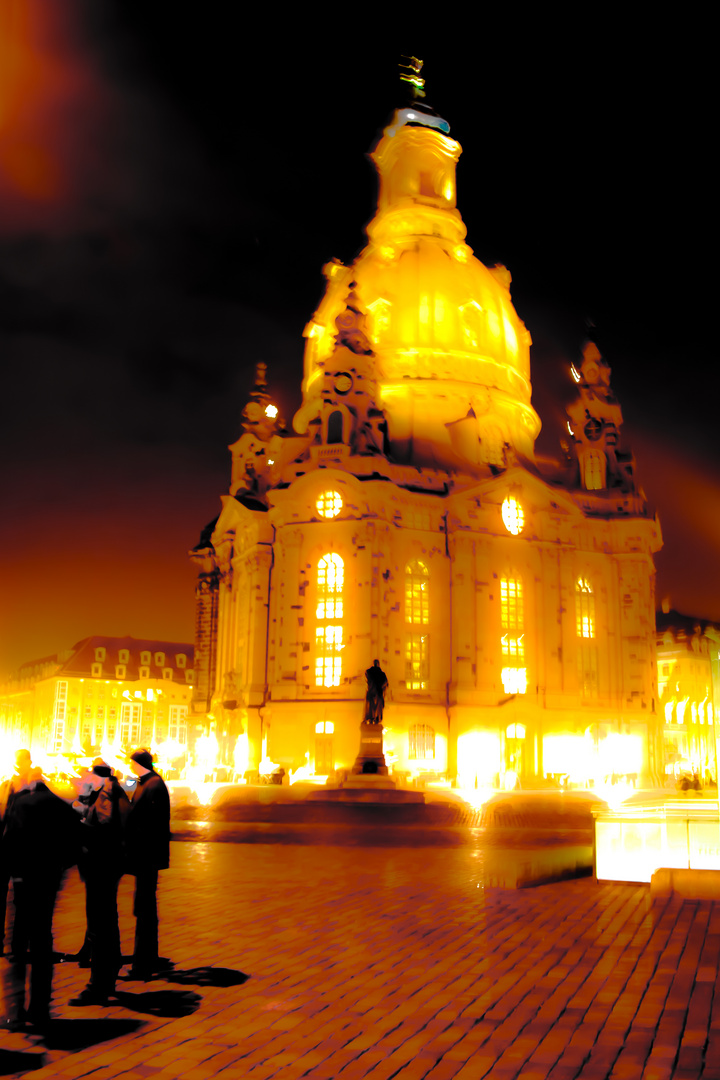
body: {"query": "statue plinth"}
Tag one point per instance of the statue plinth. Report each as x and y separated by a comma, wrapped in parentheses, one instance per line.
(371, 759)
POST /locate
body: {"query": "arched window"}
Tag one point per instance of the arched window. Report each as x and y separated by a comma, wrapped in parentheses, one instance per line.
(585, 627)
(584, 609)
(512, 621)
(417, 594)
(329, 504)
(472, 323)
(329, 613)
(335, 427)
(513, 515)
(421, 742)
(380, 314)
(417, 615)
(594, 468)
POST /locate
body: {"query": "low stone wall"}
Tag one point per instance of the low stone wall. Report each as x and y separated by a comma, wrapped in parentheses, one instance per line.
(689, 884)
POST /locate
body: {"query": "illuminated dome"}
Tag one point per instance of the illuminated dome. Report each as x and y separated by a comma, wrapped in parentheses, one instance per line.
(451, 355)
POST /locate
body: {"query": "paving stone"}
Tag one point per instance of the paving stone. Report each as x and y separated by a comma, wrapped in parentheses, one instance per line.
(397, 965)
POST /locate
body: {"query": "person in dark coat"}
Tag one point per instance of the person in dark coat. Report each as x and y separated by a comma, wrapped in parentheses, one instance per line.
(40, 840)
(147, 842)
(21, 776)
(104, 807)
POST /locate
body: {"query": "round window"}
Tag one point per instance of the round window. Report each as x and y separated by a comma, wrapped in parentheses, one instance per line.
(329, 504)
(512, 515)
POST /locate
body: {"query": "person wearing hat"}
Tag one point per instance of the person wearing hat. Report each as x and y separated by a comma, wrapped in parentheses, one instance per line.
(40, 842)
(8, 789)
(104, 807)
(147, 841)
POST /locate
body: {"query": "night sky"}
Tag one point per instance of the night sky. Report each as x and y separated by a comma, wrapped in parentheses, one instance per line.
(171, 184)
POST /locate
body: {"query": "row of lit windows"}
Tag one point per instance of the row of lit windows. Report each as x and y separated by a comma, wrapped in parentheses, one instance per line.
(679, 712)
(514, 671)
(329, 631)
(96, 672)
(131, 728)
(146, 657)
(329, 635)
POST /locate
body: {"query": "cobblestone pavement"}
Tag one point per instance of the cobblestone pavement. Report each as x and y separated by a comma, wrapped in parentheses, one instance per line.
(324, 962)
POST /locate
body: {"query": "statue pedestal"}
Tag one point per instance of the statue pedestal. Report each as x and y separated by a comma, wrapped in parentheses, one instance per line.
(371, 759)
(368, 781)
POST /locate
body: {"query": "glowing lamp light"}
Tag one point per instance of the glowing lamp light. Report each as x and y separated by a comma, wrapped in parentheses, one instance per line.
(241, 755)
(479, 759)
(271, 411)
(513, 515)
(206, 750)
(514, 681)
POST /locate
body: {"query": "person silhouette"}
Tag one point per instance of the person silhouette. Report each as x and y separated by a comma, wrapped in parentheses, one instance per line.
(147, 839)
(19, 779)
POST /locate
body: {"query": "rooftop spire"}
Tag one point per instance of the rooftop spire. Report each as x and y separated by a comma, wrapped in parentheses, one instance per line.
(415, 112)
(410, 68)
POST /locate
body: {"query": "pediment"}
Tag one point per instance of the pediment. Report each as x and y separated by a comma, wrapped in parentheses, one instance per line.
(531, 490)
(236, 518)
(300, 497)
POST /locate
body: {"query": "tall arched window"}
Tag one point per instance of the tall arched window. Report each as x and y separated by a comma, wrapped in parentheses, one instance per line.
(594, 469)
(585, 627)
(328, 628)
(417, 595)
(335, 427)
(584, 609)
(417, 616)
(512, 621)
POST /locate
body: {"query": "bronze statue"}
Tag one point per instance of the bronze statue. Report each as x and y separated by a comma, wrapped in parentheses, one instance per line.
(375, 697)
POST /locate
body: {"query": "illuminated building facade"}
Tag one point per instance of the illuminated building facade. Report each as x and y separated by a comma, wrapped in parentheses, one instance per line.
(104, 696)
(687, 659)
(406, 519)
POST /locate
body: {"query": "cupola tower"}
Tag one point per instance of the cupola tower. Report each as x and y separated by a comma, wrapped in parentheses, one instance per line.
(451, 356)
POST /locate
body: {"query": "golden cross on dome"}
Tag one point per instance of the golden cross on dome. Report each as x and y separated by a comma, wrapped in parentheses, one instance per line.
(410, 68)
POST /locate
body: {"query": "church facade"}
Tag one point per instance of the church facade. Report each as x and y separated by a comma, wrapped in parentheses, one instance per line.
(405, 519)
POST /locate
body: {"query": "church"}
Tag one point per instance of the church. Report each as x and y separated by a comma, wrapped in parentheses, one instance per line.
(405, 519)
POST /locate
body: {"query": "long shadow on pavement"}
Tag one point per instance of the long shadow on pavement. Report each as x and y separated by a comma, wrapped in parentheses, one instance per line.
(206, 976)
(15, 1061)
(168, 1003)
(80, 1034)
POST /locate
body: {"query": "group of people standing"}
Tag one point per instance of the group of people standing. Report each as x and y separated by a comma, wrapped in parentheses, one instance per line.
(107, 835)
